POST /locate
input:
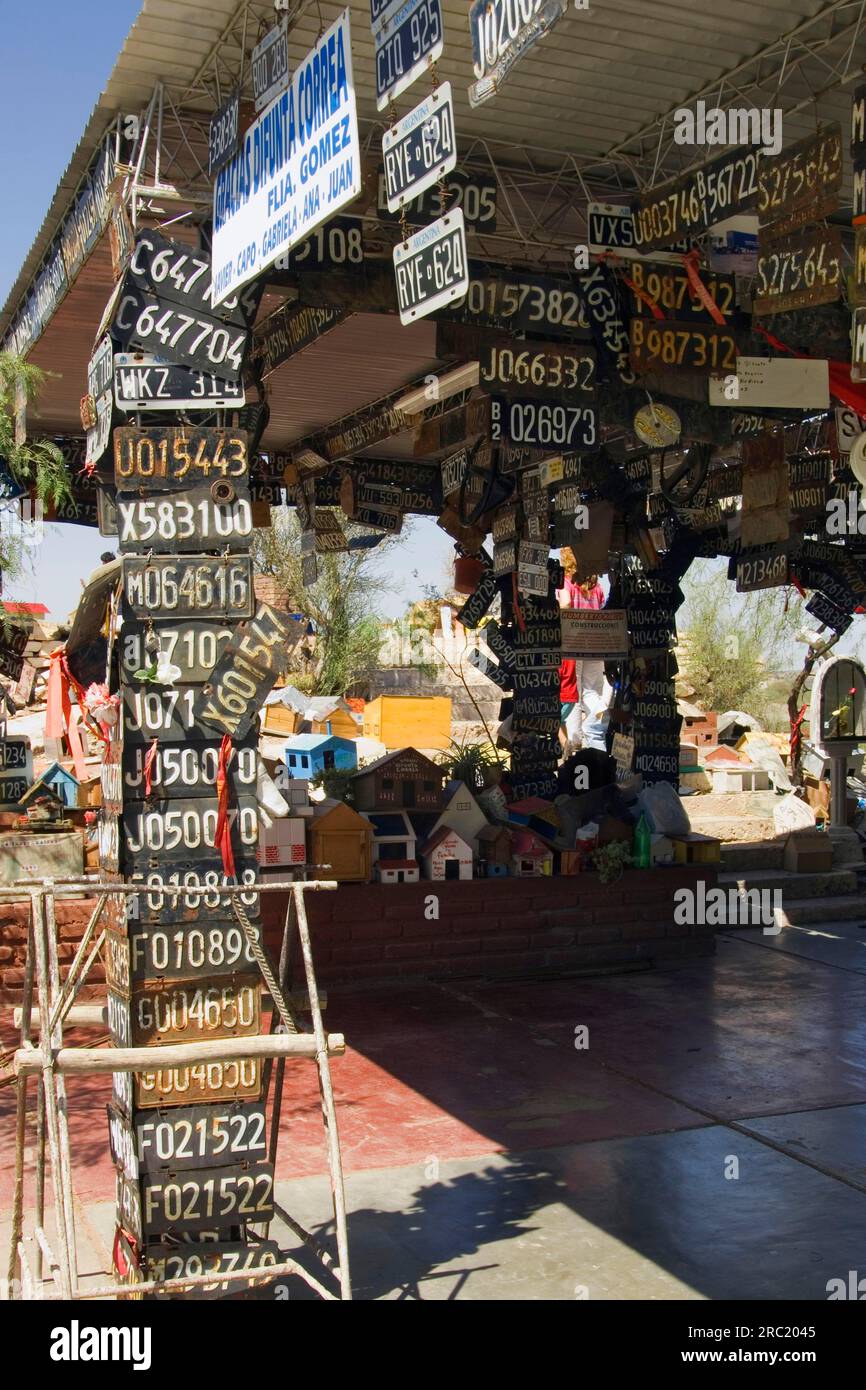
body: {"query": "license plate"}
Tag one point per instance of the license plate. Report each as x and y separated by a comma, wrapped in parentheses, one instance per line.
(13, 785)
(800, 177)
(186, 769)
(200, 1081)
(671, 290)
(270, 66)
(537, 369)
(200, 1199)
(10, 664)
(655, 346)
(610, 227)
(97, 438)
(406, 45)
(257, 655)
(161, 1012)
(194, 586)
(171, 893)
(143, 381)
(222, 1259)
(339, 242)
(431, 268)
(185, 521)
(695, 201)
(765, 570)
(194, 647)
(420, 149)
(191, 1136)
(15, 754)
(223, 134)
(154, 952)
(474, 195)
(543, 423)
(176, 457)
(184, 828)
(99, 369)
(827, 613)
(181, 274)
(799, 271)
(167, 329)
(523, 304)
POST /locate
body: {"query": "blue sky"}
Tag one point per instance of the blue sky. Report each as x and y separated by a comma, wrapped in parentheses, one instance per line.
(57, 58)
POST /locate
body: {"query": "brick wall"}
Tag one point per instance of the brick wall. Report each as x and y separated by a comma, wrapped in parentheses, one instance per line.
(368, 932)
(72, 918)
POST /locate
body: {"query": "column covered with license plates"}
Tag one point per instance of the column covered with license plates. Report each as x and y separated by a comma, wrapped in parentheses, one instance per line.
(180, 818)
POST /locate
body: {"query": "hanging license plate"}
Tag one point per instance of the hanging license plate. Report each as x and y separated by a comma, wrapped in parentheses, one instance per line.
(181, 274)
(164, 952)
(192, 586)
(193, 647)
(176, 457)
(186, 521)
(406, 45)
(431, 268)
(206, 1081)
(537, 369)
(185, 828)
(222, 1260)
(143, 381)
(543, 424)
(183, 892)
(191, 1136)
(420, 149)
(188, 769)
(197, 340)
(655, 346)
(258, 654)
(161, 1012)
(199, 1200)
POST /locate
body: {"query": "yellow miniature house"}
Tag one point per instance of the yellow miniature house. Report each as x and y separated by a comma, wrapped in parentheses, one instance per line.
(419, 721)
(340, 842)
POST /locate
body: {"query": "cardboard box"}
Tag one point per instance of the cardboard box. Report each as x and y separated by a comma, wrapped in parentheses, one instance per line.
(26, 856)
(808, 852)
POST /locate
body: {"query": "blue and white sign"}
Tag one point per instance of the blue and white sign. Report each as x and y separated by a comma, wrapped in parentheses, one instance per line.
(299, 163)
(407, 44)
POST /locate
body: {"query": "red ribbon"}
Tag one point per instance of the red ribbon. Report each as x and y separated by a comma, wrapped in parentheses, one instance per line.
(149, 759)
(518, 612)
(647, 299)
(222, 836)
(691, 260)
(841, 385)
(58, 713)
(797, 733)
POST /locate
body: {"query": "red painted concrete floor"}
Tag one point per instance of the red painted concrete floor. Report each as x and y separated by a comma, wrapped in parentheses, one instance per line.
(460, 1072)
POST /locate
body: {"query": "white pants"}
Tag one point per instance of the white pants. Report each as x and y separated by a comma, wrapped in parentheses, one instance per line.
(590, 696)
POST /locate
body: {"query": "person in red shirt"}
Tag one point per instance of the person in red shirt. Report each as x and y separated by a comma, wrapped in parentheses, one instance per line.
(581, 682)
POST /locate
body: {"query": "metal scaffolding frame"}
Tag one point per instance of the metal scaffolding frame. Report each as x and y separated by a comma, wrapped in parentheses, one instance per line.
(50, 1061)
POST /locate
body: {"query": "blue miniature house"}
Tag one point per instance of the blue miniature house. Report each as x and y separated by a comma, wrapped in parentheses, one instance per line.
(54, 779)
(306, 755)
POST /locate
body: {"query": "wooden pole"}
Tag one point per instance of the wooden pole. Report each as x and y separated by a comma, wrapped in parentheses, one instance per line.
(44, 1060)
(70, 988)
(56, 1034)
(96, 1015)
(329, 1109)
(20, 1124)
(87, 1061)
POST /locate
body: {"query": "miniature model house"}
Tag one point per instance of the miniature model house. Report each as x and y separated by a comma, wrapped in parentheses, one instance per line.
(462, 813)
(494, 850)
(402, 781)
(307, 755)
(340, 842)
(530, 856)
(282, 843)
(446, 855)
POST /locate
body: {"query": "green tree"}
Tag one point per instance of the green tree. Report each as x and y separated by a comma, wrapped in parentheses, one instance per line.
(36, 463)
(342, 603)
(735, 643)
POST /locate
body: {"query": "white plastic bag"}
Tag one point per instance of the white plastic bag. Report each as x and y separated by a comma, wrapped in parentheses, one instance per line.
(664, 810)
(792, 814)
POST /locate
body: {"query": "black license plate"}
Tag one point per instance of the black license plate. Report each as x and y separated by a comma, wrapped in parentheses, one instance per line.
(692, 203)
(14, 754)
(544, 424)
(656, 345)
(431, 268)
(258, 653)
(181, 274)
(185, 892)
(159, 1012)
(194, 647)
(200, 1199)
(766, 569)
(191, 339)
(670, 289)
(222, 1260)
(419, 150)
(10, 664)
(339, 242)
(175, 952)
(185, 828)
(191, 1136)
(799, 271)
(182, 521)
(522, 303)
(177, 457)
(405, 49)
(194, 586)
(186, 769)
(800, 177)
(530, 369)
(472, 193)
(13, 785)
(145, 382)
(223, 133)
